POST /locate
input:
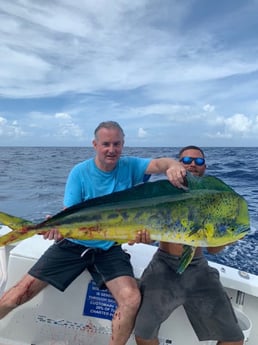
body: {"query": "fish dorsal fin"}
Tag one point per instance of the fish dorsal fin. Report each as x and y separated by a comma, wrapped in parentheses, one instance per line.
(206, 182)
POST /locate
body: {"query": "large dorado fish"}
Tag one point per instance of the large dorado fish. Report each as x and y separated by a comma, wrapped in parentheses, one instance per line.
(208, 214)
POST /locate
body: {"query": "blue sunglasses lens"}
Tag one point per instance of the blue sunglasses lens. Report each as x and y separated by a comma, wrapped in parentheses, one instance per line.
(188, 160)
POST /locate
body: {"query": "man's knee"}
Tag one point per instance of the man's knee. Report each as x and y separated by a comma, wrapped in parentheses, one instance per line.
(130, 298)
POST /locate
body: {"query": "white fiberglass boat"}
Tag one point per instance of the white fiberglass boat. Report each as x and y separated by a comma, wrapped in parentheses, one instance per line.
(81, 315)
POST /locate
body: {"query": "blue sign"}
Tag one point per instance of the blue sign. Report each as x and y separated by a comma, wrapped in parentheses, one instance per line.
(99, 303)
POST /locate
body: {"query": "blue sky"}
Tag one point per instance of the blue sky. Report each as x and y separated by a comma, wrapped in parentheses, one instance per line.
(171, 72)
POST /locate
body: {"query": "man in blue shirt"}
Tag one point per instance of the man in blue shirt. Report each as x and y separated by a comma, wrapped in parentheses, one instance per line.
(108, 264)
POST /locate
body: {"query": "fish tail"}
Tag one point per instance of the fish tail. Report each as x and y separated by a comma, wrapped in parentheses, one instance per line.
(14, 223)
(19, 226)
(186, 258)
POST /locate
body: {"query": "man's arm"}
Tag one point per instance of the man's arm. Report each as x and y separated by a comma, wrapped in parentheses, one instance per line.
(174, 170)
(215, 250)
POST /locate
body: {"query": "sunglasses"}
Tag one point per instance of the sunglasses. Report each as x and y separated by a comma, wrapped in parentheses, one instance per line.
(188, 160)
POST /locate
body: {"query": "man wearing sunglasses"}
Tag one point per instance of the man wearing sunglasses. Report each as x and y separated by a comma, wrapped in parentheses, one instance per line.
(198, 288)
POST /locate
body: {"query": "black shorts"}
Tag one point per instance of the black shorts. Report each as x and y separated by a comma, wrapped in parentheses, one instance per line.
(64, 261)
(198, 289)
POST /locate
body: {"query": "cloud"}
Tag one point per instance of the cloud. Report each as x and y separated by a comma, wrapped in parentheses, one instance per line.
(175, 67)
(77, 48)
(255, 125)
(142, 133)
(239, 123)
(208, 108)
(219, 135)
(57, 125)
(10, 129)
(64, 116)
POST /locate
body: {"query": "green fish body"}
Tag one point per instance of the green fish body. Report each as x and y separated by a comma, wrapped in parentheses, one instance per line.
(208, 214)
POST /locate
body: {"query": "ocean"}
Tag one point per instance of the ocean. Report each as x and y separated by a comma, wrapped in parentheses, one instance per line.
(32, 181)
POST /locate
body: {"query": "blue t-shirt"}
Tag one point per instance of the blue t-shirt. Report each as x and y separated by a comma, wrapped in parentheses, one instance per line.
(87, 181)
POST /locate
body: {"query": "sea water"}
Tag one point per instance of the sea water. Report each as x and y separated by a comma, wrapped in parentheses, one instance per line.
(32, 181)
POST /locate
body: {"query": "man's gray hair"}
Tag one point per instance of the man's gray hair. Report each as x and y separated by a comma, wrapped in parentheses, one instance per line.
(108, 125)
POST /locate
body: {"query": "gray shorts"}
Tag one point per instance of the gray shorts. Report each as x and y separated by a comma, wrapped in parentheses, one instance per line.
(64, 261)
(198, 289)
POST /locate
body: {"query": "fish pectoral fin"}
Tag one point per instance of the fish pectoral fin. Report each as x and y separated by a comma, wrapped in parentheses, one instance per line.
(186, 258)
(195, 229)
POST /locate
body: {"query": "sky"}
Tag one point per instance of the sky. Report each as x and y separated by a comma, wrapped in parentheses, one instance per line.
(171, 72)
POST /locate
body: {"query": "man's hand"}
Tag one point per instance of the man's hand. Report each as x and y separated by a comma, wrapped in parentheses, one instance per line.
(53, 234)
(176, 174)
(142, 236)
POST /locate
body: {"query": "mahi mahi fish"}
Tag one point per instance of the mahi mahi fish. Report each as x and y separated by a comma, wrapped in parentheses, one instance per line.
(208, 214)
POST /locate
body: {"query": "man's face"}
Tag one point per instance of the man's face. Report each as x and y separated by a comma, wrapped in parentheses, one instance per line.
(197, 170)
(108, 145)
